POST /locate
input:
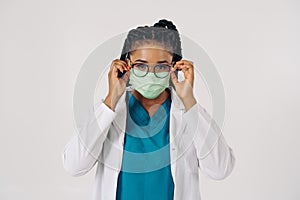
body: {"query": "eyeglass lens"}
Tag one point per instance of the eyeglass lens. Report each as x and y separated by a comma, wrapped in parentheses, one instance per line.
(160, 70)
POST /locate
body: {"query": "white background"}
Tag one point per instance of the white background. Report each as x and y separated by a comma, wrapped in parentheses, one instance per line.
(254, 44)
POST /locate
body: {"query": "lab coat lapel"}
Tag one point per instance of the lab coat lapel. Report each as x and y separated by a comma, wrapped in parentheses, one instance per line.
(120, 119)
(176, 111)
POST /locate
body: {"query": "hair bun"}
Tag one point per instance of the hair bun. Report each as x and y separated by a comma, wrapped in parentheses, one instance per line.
(166, 24)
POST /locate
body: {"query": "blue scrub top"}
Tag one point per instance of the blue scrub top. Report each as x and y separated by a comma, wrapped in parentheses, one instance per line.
(148, 178)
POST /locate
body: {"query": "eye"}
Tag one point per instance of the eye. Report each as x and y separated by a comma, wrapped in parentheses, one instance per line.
(141, 66)
(162, 67)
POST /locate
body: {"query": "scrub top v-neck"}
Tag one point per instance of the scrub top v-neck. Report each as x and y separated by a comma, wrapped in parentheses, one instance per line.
(141, 178)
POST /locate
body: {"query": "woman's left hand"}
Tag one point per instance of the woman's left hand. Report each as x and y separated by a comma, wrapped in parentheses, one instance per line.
(184, 89)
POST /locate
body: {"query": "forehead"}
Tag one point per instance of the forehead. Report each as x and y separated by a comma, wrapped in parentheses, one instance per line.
(150, 53)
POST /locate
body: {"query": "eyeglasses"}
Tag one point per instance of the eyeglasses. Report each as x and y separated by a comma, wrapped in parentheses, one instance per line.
(161, 70)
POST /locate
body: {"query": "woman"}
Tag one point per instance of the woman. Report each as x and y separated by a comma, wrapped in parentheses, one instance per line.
(154, 135)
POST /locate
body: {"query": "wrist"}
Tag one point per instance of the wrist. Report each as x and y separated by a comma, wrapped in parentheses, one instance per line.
(110, 102)
(189, 102)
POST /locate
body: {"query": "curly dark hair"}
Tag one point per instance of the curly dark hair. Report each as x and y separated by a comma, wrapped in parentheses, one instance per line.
(163, 32)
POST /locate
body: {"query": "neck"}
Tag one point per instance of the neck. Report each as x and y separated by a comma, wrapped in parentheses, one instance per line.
(152, 104)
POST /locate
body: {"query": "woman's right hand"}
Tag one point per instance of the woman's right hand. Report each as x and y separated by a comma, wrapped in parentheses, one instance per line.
(116, 85)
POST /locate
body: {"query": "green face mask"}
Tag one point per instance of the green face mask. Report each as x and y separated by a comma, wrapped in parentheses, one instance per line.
(149, 86)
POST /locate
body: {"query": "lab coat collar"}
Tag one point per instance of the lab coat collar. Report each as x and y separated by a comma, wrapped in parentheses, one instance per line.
(121, 108)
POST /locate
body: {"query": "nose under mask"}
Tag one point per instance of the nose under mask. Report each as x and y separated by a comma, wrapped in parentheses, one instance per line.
(149, 86)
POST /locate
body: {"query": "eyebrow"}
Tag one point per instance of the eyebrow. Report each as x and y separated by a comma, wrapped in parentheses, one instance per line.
(144, 61)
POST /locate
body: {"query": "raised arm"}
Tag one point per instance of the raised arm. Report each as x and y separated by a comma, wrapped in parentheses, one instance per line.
(81, 152)
(215, 156)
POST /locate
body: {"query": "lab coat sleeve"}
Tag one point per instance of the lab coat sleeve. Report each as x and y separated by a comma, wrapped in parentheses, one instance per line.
(82, 151)
(215, 157)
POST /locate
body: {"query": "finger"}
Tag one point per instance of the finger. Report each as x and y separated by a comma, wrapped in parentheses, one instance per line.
(186, 69)
(174, 78)
(182, 65)
(188, 72)
(117, 67)
(182, 68)
(129, 67)
(118, 62)
(176, 67)
(125, 65)
(185, 62)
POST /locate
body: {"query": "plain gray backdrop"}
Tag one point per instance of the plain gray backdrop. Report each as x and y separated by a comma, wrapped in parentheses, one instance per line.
(254, 44)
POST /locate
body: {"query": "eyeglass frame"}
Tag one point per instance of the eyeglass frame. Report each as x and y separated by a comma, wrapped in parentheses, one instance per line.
(148, 67)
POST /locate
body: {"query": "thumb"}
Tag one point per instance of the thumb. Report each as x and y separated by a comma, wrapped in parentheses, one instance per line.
(125, 77)
(174, 78)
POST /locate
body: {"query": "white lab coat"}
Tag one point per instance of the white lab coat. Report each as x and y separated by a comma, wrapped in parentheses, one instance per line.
(196, 141)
